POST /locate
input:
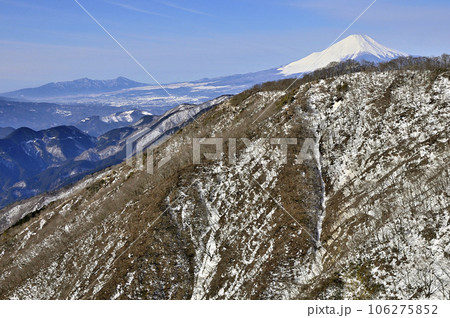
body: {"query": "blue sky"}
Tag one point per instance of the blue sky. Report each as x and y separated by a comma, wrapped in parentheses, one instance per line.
(54, 40)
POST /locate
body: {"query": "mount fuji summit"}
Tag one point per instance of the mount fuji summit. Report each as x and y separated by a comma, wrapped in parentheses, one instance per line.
(354, 47)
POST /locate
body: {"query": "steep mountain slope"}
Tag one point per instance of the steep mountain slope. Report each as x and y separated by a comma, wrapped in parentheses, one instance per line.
(151, 97)
(361, 211)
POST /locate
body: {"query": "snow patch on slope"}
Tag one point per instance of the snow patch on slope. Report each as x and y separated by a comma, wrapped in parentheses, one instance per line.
(124, 116)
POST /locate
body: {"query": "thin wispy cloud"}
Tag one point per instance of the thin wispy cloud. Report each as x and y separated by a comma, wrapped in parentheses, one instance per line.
(21, 4)
(175, 6)
(324, 4)
(23, 45)
(133, 8)
(389, 12)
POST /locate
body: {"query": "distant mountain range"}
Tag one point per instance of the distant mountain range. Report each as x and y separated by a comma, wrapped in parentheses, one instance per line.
(92, 119)
(81, 86)
(32, 162)
(39, 115)
(25, 153)
(124, 92)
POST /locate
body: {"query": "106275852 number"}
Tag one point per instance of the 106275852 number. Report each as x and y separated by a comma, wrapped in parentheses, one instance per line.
(403, 310)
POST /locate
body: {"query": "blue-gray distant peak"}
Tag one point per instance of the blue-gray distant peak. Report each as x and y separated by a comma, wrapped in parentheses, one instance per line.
(80, 86)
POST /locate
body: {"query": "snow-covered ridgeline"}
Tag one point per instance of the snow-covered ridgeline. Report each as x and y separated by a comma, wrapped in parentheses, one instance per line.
(127, 116)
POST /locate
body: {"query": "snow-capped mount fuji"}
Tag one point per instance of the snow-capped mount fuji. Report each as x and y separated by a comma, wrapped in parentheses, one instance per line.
(354, 47)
